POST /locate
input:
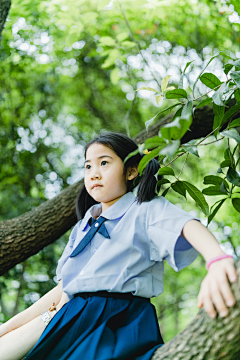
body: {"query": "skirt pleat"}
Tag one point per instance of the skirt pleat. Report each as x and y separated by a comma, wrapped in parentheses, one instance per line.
(100, 328)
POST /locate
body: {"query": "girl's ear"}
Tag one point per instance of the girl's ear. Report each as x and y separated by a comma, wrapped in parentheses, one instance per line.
(132, 172)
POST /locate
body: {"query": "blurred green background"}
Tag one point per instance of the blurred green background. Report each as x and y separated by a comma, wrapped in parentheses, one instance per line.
(69, 70)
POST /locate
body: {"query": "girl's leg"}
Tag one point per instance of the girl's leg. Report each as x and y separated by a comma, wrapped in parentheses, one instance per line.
(17, 343)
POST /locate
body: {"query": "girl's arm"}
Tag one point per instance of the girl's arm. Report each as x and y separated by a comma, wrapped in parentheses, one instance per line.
(215, 292)
(34, 310)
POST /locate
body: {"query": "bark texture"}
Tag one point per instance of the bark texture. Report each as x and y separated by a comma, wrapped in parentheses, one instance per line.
(27, 234)
(4, 9)
(205, 338)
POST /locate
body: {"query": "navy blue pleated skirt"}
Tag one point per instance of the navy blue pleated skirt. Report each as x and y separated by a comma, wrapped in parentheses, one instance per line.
(100, 326)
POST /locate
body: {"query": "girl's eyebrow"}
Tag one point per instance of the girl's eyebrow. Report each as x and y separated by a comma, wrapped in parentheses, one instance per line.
(100, 157)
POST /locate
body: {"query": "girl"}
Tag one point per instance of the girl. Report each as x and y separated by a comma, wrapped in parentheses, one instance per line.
(113, 264)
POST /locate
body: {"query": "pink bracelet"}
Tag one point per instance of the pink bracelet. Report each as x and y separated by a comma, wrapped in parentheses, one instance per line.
(216, 259)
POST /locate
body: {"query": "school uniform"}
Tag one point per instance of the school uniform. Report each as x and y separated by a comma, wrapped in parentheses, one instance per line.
(111, 277)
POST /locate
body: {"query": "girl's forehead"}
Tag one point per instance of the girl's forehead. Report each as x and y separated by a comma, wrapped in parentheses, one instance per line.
(99, 149)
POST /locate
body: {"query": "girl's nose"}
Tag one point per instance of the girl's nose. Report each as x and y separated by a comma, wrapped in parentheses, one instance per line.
(95, 176)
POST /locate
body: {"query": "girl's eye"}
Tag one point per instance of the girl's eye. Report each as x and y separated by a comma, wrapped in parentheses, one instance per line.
(87, 167)
(104, 161)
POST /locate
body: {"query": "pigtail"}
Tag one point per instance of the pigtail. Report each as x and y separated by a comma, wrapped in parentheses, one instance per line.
(147, 185)
(83, 202)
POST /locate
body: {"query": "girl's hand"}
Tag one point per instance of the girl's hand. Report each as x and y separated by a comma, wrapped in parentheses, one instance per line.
(64, 300)
(215, 292)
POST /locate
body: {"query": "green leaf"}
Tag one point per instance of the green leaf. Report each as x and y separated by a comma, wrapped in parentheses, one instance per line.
(235, 123)
(192, 150)
(212, 191)
(122, 36)
(228, 114)
(225, 163)
(177, 113)
(176, 129)
(180, 85)
(232, 134)
(113, 55)
(187, 110)
(215, 210)
(114, 76)
(237, 95)
(209, 61)
(210, 80)
(163, 181)
(153, 142)
(227, 68)
(130, 155)
(219, 113)
(223, 187)
(170, 149)
(158, 98)
(145, 160)
(233, 177)
(165, 192)
(149, 122)
(212, 179)
(179, 188)
(146, 88)
(166, 171)
(227, 154)
(235, 75)
(236, 204)
(191, 147)
(176, 94)
(128, 44)
(197, 196)
(218, 95)
(106, 41)
(165, 82)
(204, 102)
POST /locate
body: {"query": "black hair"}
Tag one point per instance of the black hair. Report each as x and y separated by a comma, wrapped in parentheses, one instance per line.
(122, 145)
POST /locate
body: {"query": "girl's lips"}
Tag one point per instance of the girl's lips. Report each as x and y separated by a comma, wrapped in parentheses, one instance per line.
(96, 186)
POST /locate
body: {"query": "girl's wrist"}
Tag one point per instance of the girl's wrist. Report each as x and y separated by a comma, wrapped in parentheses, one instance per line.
(216, 259)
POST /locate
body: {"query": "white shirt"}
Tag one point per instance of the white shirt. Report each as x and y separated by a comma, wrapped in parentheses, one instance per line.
(141, 237)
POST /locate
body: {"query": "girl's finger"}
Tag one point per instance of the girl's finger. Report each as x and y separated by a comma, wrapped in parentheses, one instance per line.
(208, 306)
(231, 273)
(226, 292)
(218, 302)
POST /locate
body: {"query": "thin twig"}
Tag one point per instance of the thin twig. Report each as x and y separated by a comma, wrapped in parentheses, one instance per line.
(208, 135)
(230, 155)
(175, 159)
(136, 42)
(182, 167)
(210, 91)
(211, 142)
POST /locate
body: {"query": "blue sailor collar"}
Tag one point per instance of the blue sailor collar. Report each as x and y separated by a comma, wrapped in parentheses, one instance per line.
(117, 210)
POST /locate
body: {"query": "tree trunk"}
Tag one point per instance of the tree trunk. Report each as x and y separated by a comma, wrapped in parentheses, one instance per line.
(205, 338)
(26, 234)
(4, 9)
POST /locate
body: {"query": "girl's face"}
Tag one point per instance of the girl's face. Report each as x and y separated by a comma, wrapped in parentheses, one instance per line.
(104, 179)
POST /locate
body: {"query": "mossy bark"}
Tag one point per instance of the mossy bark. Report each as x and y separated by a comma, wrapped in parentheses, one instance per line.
(205, 338)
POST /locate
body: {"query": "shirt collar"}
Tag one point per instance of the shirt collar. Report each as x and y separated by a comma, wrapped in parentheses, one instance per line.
(117, 210)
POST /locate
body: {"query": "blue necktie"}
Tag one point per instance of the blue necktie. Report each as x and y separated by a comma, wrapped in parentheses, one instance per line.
(96, 226)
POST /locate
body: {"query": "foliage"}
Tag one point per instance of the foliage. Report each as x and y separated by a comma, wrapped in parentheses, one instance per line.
(70, 69)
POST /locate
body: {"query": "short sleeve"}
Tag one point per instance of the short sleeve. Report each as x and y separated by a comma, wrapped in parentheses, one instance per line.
(67, 251)
(164, 223)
